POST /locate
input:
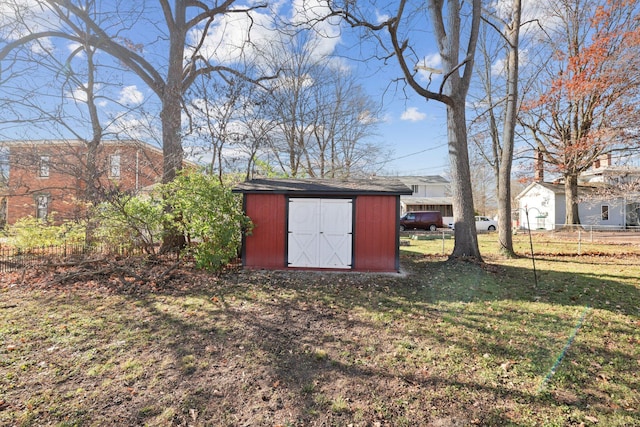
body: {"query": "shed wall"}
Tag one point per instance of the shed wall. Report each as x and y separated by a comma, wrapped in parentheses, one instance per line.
(265, 247)
(376, 233)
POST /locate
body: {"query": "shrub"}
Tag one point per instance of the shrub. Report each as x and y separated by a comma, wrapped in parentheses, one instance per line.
(29, 233)
(210, 215)
(130, 222)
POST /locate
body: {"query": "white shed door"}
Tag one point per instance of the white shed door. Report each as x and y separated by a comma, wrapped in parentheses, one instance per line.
(320, 233)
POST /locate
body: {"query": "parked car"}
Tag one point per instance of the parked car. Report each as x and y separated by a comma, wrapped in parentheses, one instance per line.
(483, 223)
(426, 220)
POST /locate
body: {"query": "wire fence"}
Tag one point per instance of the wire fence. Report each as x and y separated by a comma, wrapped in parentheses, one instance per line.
(576, 241)
(15, 259)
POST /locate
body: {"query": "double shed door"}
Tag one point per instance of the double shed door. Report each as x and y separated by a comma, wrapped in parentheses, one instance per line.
(320, 233)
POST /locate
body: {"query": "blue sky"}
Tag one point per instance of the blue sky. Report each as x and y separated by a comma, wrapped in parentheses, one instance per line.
(413, 128)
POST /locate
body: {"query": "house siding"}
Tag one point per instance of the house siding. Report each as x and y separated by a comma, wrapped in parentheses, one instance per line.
(376, 238)
(65, 186)
(265, 247)
(539, 199)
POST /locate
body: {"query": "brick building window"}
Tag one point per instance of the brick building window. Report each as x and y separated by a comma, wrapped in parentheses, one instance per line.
(114, 166)
(42, 206)
(43, 171)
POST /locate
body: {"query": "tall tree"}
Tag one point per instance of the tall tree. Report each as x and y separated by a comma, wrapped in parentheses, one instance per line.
(400, 28)
(123, 31)
(498, 105)
(586, 101)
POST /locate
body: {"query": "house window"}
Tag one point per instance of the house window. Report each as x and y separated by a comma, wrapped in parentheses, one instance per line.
(44, 167)
(414, 188)
(4, 164)
(605, 212)
(42, 206)
(114, 166)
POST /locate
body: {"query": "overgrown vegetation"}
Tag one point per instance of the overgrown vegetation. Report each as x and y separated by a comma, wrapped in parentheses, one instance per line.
(204, 210)
(30, 233)
(447, 344)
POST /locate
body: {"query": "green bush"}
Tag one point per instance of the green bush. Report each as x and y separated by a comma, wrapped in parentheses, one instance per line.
(30, 233)
(129, 222)
(203, 210)
(210, 215)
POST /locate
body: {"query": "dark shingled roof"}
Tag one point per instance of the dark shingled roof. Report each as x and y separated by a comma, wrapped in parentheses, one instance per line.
(316, 186)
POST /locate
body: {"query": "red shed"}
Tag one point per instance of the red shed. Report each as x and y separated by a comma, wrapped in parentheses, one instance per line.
(323, 224)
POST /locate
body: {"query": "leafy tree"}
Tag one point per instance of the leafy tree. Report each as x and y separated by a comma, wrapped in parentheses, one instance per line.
(586, 101)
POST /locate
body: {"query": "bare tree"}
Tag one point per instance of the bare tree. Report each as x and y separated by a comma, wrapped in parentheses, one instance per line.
(454, 26)
(169, 69)
(324, 119)
(498, 106)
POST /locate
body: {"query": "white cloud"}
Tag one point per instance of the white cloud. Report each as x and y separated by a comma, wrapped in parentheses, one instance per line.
(130, 95)
(42, 46)
(78, 95)
(236, 37)
(382, 17)
(413, 115)
(326, 33)
(430, 67)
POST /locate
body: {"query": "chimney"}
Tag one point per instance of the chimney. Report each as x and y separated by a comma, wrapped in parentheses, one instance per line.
(603, 161)
(538, 175)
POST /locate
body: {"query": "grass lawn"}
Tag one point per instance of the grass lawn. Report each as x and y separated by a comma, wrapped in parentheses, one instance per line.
(444, 344)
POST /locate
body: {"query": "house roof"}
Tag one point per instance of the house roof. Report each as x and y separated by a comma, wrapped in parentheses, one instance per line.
(427, 179)
(557, 188)
(316, 186)
(427, 200)
(76, 142)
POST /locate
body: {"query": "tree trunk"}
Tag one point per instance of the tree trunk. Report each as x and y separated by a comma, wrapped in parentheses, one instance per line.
(505, 237)
(571, 200)
(466, 238)
(171, 117)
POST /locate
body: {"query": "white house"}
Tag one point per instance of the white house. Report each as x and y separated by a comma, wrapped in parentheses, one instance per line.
(541, 206)
(430, 193)
(545, 202)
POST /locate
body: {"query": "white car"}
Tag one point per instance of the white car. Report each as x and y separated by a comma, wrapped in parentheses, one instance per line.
(483, 223)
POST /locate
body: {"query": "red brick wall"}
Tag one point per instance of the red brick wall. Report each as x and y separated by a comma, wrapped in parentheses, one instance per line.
(140, 166)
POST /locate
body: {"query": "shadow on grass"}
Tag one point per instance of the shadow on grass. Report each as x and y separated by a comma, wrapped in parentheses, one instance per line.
(446, 344)
(443, 344)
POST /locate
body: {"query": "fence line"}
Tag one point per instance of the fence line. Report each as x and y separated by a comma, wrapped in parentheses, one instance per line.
(15, 259)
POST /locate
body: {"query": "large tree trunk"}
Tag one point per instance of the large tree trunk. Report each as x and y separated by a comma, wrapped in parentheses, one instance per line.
(466, 238)
(171, 116)
(571, 200)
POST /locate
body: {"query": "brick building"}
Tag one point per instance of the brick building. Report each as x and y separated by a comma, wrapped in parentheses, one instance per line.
(45, 177)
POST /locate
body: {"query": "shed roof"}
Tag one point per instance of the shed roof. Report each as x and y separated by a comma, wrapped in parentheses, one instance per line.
(317, 186)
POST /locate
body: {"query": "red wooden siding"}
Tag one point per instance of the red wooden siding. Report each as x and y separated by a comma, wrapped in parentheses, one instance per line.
(376, 233)
(265, 247)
